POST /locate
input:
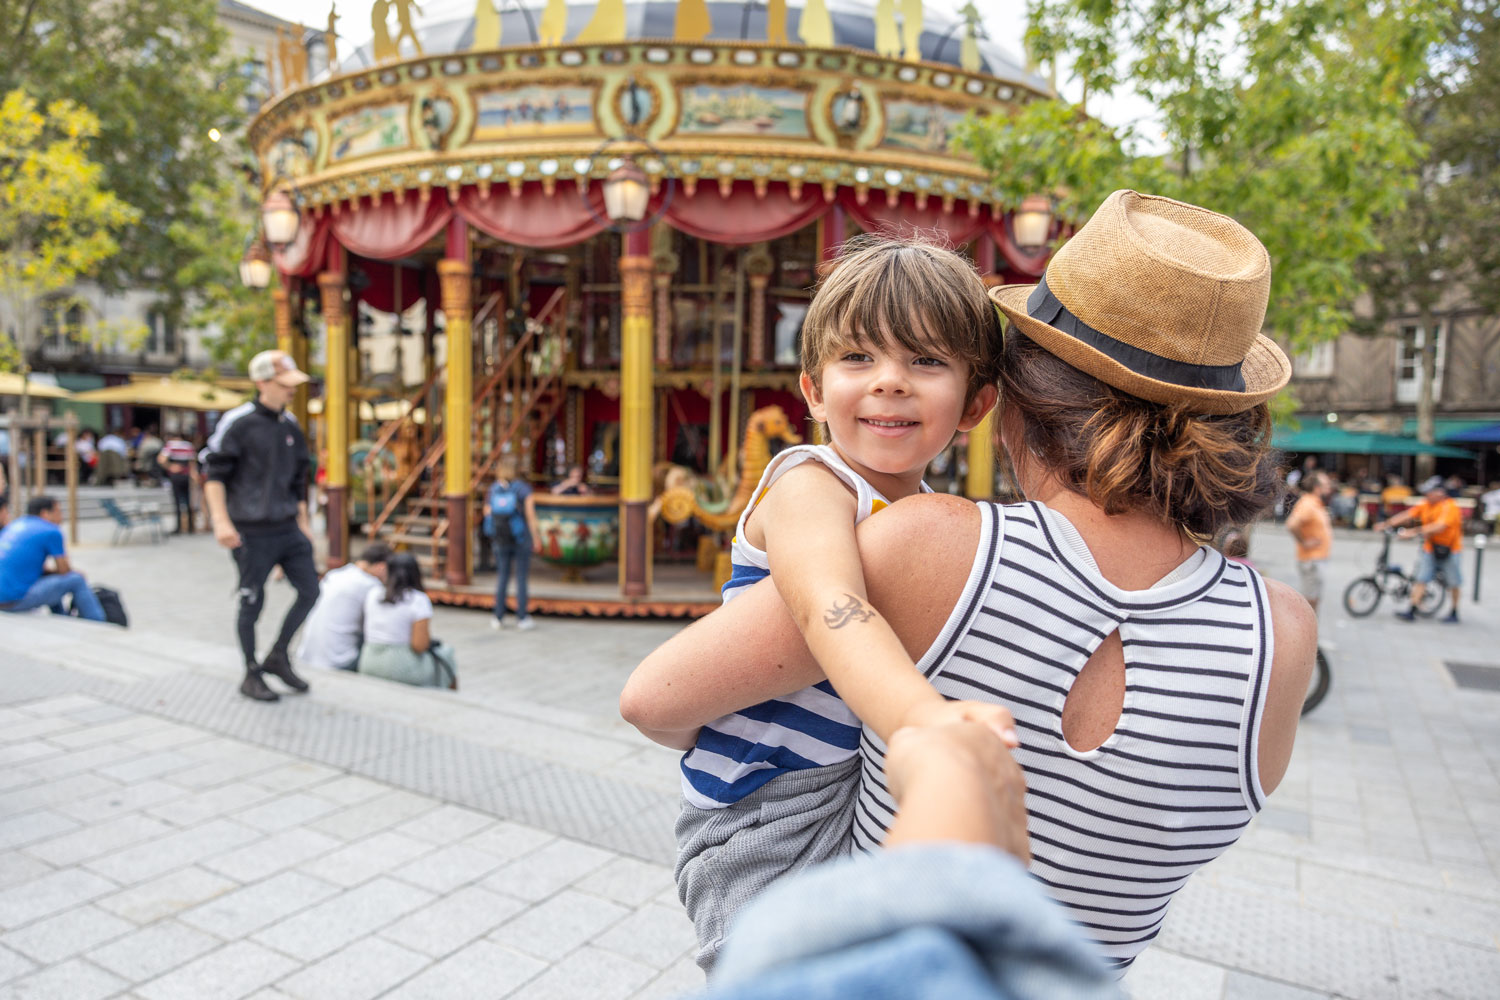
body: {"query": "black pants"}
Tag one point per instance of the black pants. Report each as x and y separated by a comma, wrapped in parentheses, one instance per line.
(182, 500)
(290, 549)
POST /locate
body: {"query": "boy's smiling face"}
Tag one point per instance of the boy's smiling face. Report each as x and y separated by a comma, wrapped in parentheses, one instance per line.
(890, 410)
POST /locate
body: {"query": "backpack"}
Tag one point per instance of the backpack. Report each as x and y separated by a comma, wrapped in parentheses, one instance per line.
(109, 601)
(505, 507)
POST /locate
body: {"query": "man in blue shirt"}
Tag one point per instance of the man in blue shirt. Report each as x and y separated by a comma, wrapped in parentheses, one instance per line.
(25, 546)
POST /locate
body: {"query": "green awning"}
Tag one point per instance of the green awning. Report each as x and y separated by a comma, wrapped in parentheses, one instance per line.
(1444, 427)
(1333, 441)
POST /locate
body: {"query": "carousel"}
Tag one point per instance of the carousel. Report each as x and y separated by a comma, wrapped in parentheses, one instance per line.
(599, 227)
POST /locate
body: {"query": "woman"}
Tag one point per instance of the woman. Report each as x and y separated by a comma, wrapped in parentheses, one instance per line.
(510, 513)
(1155, 686)
(398, 629)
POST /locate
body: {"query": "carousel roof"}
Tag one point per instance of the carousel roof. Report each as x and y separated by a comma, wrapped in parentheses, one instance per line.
(853, 26)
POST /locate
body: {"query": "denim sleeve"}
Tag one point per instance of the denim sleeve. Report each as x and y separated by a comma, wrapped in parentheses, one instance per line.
(964, 912)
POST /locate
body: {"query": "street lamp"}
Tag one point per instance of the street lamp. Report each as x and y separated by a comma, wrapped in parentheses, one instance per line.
(1032, 221)
(279, 218)
(255, 265)
(626, 192)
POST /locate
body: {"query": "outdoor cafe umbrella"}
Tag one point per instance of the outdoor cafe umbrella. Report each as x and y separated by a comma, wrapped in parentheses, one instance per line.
(11, 384)
(1333, 441)
(170, 393)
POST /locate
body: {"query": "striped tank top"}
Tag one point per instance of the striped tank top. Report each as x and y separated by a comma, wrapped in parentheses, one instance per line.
(813, 727)
(1117, 830)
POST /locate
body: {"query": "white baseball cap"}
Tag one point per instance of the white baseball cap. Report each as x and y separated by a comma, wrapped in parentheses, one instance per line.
(278, 367)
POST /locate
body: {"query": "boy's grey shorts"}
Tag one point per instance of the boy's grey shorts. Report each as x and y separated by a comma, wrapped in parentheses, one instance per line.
(726, 856)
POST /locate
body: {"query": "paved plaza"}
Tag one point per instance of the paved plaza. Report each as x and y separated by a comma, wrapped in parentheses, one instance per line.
(162, 837)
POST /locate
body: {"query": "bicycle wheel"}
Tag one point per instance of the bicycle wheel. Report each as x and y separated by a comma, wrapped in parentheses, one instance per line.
(1433, 596)
(1317, 686)
(1362, 596)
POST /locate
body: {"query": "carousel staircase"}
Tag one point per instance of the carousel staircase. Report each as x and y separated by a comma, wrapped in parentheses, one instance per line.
(513, 404)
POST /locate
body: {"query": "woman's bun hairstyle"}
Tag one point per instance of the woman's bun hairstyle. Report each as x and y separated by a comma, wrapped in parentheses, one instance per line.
(1203, 472)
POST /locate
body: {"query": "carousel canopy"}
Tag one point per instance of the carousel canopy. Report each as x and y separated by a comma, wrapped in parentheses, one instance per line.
(449, 26)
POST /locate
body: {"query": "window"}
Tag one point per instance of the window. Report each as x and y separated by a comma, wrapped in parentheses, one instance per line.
(161, 333)
(1315, 362)
(1409, 363)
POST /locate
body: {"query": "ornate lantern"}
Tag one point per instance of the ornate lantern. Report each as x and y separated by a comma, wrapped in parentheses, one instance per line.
(1032, 222)
(280, 218)
(626, 192)
(255, 265)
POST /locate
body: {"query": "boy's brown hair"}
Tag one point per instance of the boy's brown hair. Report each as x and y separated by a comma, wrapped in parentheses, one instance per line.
(920, 294)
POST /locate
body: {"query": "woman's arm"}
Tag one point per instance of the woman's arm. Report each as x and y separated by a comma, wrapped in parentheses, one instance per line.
(916, 557)
(421, 635)
(1295, 630)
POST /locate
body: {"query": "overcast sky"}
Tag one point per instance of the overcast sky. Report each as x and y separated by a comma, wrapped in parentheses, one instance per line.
(1004, 20)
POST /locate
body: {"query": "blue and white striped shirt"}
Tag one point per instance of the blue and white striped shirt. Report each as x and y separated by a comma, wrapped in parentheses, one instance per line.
(813, 727)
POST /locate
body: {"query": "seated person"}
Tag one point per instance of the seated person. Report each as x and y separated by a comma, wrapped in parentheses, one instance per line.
(335, 628)
(398, 629)
(573, 485)
(25, 582)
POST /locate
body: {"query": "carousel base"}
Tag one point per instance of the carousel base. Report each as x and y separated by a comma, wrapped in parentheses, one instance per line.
(677, 591)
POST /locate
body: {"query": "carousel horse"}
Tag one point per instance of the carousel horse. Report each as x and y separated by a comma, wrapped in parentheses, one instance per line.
(766, 433)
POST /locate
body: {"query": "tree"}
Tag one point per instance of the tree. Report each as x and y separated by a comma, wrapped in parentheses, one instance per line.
(1285, 114)
(154, 75)
(57, 222)
(240, 319)
(1438, 245)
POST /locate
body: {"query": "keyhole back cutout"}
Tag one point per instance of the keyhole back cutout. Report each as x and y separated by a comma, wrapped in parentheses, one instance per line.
(1094, 703)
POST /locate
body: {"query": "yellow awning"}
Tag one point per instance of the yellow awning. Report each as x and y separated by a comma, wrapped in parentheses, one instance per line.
(10, 385)
(181, 395)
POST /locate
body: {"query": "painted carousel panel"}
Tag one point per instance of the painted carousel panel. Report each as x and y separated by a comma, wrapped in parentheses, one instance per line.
(743, 110)
(370, 130)
(920, 126)
(534, 111)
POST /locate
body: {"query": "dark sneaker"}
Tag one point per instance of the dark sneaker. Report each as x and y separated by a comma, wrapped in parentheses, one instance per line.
(1451, 618)
(280, 667)
(254, 686)
(1407, 616)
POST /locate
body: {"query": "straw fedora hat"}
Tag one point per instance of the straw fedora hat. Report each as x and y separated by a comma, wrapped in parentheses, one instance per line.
(1161, 300)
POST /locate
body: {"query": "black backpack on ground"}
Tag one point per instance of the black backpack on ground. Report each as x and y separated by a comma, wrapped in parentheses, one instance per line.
(114, 608)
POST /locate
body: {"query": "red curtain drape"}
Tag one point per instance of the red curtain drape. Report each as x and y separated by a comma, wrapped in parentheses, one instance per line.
(744, 217)
(304, 256)
(532, 218)
(381, 291)
(389, 229)
(876, 215)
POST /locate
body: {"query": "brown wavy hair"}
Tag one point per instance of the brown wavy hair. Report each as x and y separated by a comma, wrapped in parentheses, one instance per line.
(1202, 472)
(909, 289)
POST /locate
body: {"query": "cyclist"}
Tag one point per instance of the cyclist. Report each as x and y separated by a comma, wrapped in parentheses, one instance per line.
(1442, 531)
(1312, 527)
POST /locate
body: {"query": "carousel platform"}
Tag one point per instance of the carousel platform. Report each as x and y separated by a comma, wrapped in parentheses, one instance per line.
(677, 591)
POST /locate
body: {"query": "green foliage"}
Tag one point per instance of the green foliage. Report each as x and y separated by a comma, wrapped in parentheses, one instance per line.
(154, 75)
(240, 320)
(57, 221)
(1286, 115)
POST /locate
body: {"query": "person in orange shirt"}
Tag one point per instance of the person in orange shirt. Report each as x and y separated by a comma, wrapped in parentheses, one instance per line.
(1312, 527)
(1442, 533)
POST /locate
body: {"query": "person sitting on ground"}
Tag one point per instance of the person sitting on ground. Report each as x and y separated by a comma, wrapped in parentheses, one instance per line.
(398, 628)
(947, 910)
(25, 581)
(573, 484)
(334, 630)
(1441, 528)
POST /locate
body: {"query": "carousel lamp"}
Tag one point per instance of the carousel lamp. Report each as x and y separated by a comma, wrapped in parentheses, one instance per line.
(1032, 221)
(626, 192)
(279, 218)
(255, 265)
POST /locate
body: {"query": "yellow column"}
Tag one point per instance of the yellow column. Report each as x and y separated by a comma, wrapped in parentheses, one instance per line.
(980, 482)
(636, 399)
(458, 414)
(290, 340)
(335, 402)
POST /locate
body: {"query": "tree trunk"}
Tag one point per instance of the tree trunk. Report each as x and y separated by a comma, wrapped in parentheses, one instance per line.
(1426, 376)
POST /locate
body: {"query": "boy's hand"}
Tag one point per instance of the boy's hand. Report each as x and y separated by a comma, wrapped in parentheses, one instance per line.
(996, 718)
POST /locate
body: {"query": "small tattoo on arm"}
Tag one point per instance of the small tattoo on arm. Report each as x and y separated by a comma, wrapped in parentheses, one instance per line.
(840, 615)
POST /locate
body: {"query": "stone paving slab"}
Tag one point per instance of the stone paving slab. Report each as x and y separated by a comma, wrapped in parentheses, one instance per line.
(161, 837)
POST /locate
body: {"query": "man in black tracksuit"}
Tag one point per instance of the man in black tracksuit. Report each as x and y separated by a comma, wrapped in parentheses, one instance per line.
(256, 493)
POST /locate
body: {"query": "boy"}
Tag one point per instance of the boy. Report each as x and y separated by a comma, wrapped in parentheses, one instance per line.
(898, 353)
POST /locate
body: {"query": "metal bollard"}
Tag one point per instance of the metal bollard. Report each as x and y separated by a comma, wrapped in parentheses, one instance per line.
(1479, 543)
